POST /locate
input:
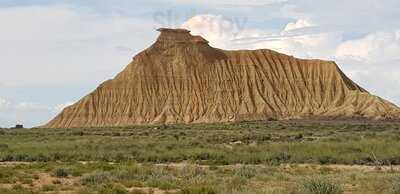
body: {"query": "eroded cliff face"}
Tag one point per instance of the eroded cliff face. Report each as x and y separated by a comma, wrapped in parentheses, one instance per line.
(181, 79)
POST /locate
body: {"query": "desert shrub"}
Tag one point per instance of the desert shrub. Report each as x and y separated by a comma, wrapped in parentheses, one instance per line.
(199, 190)
(396, 185)
(113, 189)
(96, 178)
(47, 188)
(6, 157)
(36, 177)
(58, 156)
(21, 157)
(120, 157)
(7, 175)
(78, 133)
(280, 157)
(60, 173)
(298, 136)
(132, 172)
(3, 146)
(160, 178)
(77, 172)
(235, 183)
(246, 172)
(41, 158)
(321, 186)
(26, 179)
(17, 190)
(327, 160)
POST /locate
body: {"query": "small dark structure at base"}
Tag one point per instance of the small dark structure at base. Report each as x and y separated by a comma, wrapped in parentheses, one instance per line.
(18, 126)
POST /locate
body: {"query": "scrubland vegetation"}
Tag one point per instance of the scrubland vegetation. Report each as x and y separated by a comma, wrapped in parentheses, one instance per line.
(248, 157)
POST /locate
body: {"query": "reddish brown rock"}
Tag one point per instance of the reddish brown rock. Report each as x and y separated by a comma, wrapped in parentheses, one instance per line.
(181, 79)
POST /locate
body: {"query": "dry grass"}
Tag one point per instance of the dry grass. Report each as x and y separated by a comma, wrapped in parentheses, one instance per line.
(249, 157)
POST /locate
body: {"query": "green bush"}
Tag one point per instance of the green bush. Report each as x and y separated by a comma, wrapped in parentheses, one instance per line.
(60, 173)
(113, 189)
(199, 190)
(47, 188)
(161, 178)
(7, 175)
(18, 189)
(321, 186)
(396, 186)
(96, 178)
(247, 172)
(3, 146)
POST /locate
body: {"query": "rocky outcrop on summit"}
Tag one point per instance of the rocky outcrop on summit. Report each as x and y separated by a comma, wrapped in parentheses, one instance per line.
(181, 79)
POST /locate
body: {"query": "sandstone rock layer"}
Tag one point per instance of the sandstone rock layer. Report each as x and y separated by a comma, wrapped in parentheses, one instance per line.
(181, 79)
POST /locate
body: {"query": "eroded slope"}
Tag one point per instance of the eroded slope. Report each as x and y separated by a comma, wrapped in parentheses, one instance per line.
(180, 78)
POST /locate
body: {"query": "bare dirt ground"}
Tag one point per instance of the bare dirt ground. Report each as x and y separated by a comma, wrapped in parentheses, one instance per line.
(363, 168)
(151, 190)
(71, 184)
(14, 163)
(44, 180)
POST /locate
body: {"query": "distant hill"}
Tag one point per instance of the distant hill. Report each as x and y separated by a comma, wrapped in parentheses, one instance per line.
(181, 79)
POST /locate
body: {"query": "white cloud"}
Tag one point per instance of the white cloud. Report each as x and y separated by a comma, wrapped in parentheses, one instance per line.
(30, 107)
(217, 29)
(301, 23)
(65, 44)
(59, 45)
(5, 114)
(228, 34)
(4, 104)
(232, 2)
(376, 47)
(374, 61)
(320, 45)
(359, 16)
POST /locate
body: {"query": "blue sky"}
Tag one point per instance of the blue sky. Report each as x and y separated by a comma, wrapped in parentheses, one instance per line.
(52, 53)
